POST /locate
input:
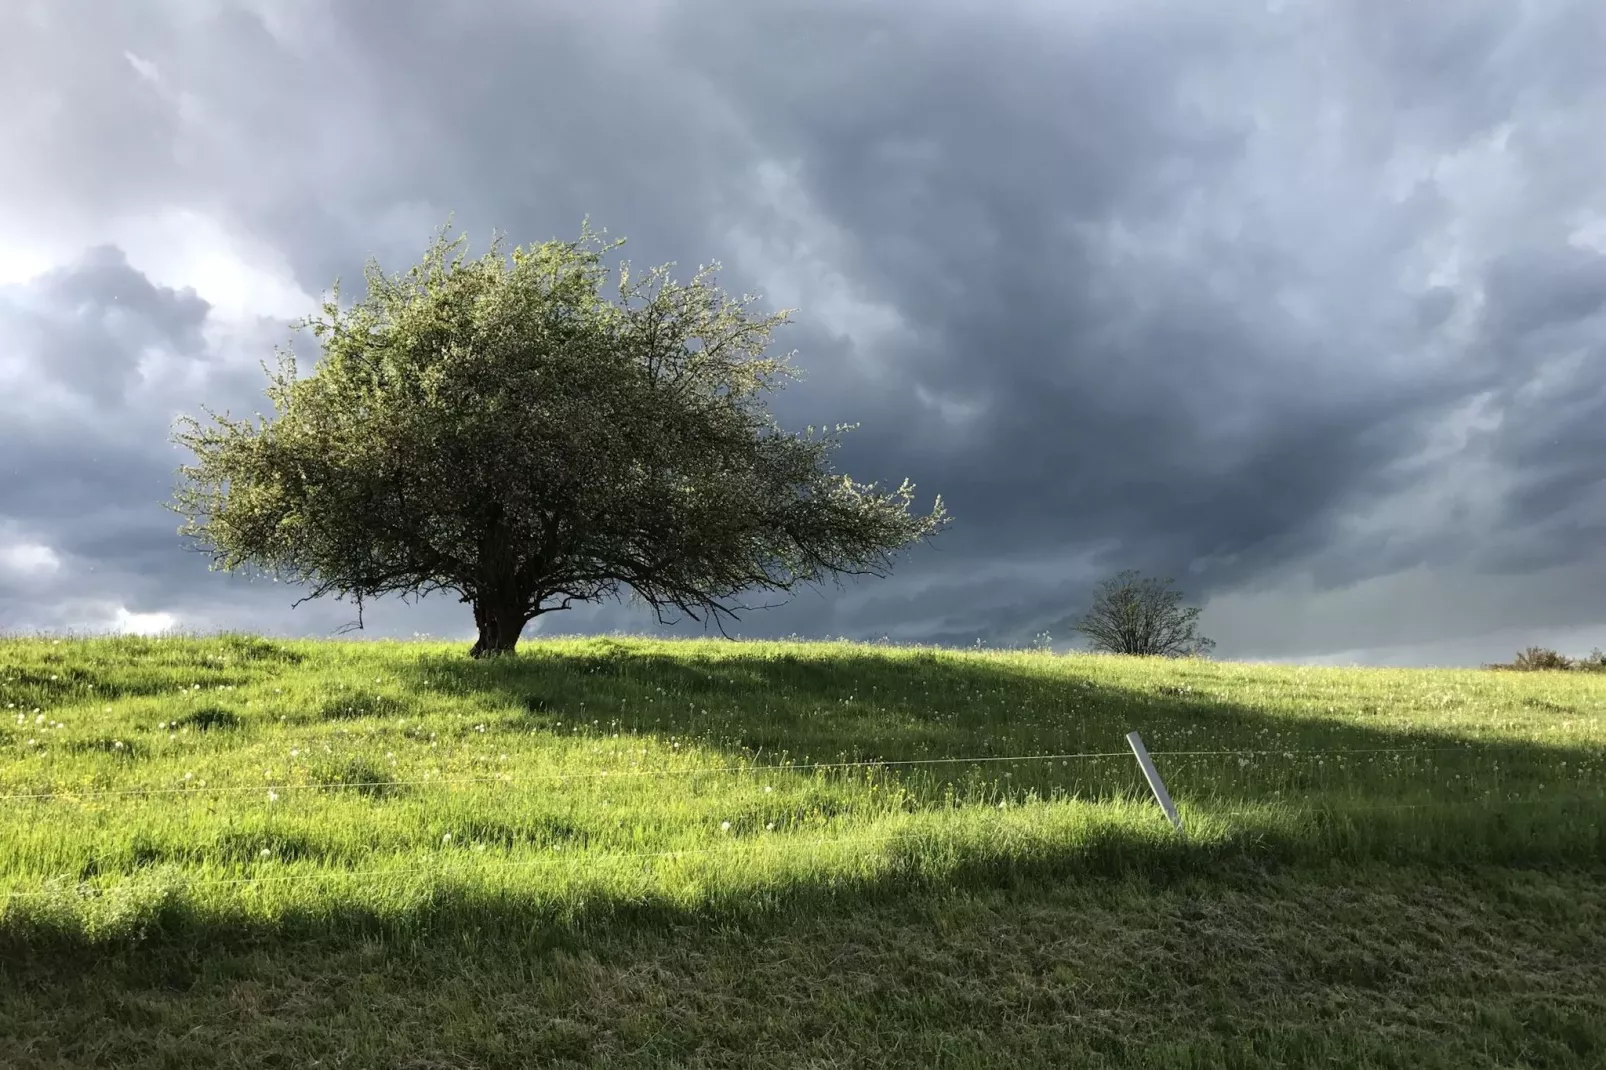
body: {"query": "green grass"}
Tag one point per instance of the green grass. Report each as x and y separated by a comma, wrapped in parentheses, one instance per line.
(231, 851)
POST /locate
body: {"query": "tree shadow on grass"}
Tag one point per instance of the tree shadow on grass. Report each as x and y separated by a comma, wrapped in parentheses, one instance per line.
(955, 720)
(1194, 945)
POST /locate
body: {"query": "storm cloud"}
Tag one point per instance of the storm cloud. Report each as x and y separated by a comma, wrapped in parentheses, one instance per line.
(1299, 303)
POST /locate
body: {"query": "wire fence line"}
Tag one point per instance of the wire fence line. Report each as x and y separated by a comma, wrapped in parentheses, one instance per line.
(802, 767)
(1342, 808)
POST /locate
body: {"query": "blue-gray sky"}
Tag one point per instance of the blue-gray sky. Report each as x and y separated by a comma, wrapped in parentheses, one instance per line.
(1299, 303)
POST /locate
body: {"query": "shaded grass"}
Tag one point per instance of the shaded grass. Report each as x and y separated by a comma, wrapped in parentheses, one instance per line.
(1376, 967)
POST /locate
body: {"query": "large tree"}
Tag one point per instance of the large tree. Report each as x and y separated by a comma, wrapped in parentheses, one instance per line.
(1133, 615)
(499, 429)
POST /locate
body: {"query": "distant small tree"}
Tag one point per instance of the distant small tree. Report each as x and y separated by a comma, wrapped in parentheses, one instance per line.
(504, 432)
(1539, 659)
(1133, 615)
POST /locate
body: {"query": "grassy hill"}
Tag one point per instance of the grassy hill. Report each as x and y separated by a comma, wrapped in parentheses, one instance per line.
(232, 851)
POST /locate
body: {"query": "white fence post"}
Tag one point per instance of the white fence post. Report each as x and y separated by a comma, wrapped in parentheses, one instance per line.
(1156, 785)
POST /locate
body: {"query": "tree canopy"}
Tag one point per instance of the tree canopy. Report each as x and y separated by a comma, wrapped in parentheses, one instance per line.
(1133, 615)
(497, 428)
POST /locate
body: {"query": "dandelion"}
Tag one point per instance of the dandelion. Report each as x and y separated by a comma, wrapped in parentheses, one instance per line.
(770, 826)
(265, 853)
(768, 789)
(273, 796)
(724, 826)
(117, 744)
(295, 752)
(187, 776)
(447, 838)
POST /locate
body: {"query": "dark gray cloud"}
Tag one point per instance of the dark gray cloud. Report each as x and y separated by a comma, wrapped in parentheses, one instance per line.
(1290, 301)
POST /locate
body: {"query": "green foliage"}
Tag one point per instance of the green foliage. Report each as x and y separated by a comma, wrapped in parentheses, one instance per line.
(1133, 615)
(1538, 659)
(497, 429)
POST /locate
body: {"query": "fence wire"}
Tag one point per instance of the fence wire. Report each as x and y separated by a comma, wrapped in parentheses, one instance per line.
(804, 767)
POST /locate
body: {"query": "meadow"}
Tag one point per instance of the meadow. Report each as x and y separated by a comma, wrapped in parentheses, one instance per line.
(234, 851)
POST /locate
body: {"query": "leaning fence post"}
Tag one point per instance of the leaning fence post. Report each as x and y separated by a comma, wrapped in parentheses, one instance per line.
(1156, 785)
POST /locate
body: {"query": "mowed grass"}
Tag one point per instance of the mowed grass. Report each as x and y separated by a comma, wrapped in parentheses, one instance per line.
(229, 850)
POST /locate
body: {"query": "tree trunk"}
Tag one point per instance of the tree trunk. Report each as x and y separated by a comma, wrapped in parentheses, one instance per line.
(499, 626)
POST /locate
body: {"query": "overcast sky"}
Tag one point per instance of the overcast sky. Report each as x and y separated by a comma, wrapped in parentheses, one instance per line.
(1299, 303)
